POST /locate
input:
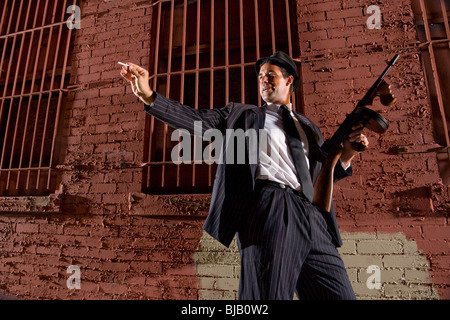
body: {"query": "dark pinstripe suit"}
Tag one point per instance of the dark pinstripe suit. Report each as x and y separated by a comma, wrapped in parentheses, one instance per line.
(236, 199)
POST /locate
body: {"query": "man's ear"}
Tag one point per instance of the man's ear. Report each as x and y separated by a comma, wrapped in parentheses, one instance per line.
(290, 80)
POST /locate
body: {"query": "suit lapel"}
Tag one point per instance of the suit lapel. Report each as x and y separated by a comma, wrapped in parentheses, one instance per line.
(254, 120)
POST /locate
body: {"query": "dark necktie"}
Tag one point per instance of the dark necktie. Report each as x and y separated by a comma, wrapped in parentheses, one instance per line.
(297, 152)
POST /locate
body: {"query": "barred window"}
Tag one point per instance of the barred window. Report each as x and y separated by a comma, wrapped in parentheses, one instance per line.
(203, 55)
(432, 21)
(34, 48)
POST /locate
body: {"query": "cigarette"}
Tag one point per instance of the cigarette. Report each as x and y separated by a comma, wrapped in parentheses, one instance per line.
(123, 64)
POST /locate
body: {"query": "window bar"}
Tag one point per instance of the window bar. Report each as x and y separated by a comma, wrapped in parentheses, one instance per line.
(227, 58)
(258, 53)
(444, 15)
(2, 59)
(13, 92)
(447, 32)
(155, 78)
(33, 140)
(60, 96)
(272, 26)
(22, 91)
(241, 38)
(289, 39)
(44, 70)
(6, 38)
(21, 47)
(6, 86)
(434, 72)
(211, 83)
(38, 108)
(2, 20)
(197, 67)
(169, 67)
(183, 68)
(30, 98)
(288, 26)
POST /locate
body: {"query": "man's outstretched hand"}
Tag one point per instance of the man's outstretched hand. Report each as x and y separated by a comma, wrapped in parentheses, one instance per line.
(138, 78)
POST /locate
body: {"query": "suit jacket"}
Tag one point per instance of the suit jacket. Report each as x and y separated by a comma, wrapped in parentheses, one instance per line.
(234, 183)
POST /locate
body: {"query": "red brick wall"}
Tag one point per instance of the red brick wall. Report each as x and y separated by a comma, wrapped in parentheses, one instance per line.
(133, 246)
(389, 192)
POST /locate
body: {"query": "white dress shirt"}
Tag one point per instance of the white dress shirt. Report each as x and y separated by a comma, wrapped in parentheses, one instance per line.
(275, 159)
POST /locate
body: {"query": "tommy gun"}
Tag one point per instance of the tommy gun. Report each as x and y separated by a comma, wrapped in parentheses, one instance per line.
(323, 187)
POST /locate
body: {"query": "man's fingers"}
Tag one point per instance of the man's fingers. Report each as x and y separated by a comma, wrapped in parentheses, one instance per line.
(357, 126)
(126, 76)
(136, 70)
(355, 133)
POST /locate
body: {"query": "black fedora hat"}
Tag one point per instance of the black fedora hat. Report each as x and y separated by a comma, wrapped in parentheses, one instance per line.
(283, 60)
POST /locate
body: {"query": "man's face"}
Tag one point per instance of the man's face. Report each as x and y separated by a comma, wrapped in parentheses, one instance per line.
(273, 86)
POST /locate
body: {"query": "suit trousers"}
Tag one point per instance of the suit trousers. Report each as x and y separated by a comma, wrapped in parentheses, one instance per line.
(285, 248)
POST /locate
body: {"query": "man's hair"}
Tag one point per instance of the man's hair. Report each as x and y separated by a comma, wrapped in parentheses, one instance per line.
(283, 71)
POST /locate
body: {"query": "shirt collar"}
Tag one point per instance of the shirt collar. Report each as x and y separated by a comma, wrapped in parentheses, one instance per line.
(276, 107)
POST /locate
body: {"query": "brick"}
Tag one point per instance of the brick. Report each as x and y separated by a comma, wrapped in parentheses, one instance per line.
(228, 284)
(103, 188)
(27, 228)
(76, 230)
(441, 262)
(216, 295)
(437, 247)
(325, 25)
(345, 13)
(418, 292)
(212, 270)
(361, 290)
(328, 44)
(112, 91)
(361, 261)
(348, 247)
(217, 258)
(417, 276)
(405, 261)
(436, 232)
(378, 247)
(327, 6)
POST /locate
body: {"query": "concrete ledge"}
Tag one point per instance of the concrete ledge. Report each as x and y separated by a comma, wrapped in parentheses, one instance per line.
(48, 204)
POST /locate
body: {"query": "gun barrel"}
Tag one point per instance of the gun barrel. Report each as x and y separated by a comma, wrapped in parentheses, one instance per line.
(374, 87)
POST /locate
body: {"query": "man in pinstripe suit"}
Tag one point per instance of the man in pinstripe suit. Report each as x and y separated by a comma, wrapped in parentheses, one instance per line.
(286, 243)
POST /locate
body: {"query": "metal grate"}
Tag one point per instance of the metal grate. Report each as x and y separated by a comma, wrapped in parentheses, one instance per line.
(34, 46)
(203, 55)
(432, 21)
